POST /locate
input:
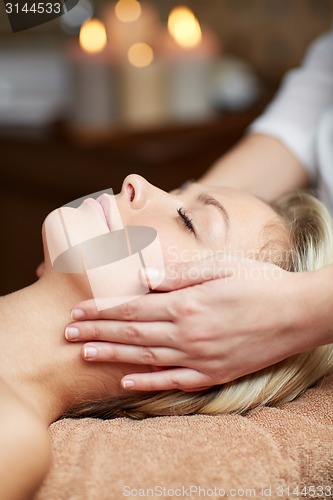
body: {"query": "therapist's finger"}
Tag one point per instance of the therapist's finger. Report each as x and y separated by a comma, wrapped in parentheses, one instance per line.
(189, 273)
(156, 333)
(121, 353)
(150, 307)
(184, 379)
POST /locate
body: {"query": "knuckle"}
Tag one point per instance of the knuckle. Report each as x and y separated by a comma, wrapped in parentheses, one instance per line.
(194, 333)
(129, 311)
(187, 307)
(148, 356)
(131, 333)
(95, 332)
(174, 382)
(218, 374)
(196, 348)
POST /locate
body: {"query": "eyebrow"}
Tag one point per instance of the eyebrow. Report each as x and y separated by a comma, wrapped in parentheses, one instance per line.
(206, 199)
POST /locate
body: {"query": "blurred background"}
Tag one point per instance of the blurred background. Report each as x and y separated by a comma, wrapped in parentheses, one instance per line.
(160, 88)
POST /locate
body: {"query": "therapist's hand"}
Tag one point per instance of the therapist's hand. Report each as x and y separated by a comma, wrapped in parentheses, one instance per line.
(209, 333)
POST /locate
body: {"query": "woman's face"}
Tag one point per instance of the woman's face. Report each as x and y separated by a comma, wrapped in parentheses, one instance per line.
(197, 220)
(191, 223)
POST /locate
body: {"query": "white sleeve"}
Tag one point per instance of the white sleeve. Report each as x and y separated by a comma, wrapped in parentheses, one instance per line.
(305, 94)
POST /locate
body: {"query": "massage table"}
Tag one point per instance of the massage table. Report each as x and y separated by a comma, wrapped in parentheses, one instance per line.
(274, 452)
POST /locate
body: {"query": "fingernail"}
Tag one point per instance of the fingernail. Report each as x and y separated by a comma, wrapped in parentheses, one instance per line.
(90, 352)
(77, 313)
(72, 333)
(127, 384)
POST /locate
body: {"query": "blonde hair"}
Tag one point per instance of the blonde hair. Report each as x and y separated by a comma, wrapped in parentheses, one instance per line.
(307, 247)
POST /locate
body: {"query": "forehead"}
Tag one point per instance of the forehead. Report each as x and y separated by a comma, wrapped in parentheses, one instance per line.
(237, 201)
(248, 215)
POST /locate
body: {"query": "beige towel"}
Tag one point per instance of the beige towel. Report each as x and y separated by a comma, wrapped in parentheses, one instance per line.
(287, 446)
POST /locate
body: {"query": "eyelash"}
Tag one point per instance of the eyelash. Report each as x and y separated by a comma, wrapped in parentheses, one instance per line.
(186, 220)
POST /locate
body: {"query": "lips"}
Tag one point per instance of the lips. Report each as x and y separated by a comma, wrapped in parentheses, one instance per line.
(98, 207)
(105, 206)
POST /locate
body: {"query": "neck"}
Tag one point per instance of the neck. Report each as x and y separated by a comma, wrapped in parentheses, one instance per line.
(45, 371)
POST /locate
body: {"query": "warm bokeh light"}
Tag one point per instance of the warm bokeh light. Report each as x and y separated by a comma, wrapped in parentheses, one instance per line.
(140, 55)
(184, 27)
(127, 11)
(93, 36)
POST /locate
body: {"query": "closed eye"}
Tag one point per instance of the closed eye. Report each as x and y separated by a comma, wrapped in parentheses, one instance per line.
(186, 220)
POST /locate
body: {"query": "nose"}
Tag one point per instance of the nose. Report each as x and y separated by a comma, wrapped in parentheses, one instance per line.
(135, 188)
(137, 191)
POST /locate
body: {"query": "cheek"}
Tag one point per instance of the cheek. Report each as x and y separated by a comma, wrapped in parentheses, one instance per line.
(178, 247)
(171, 242)
(168, 243)
(176, 244)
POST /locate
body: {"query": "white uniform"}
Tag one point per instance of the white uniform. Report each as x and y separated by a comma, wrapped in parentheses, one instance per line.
(301, 115)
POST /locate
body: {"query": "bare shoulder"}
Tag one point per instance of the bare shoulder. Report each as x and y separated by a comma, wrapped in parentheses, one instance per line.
(24, 448)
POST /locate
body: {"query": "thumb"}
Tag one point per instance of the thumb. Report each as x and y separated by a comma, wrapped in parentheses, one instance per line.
(188, 273)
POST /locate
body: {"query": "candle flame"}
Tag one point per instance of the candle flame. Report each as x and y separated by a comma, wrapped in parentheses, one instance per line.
(128, 11)
(140, 55)
(184, 27)
(93, 36)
